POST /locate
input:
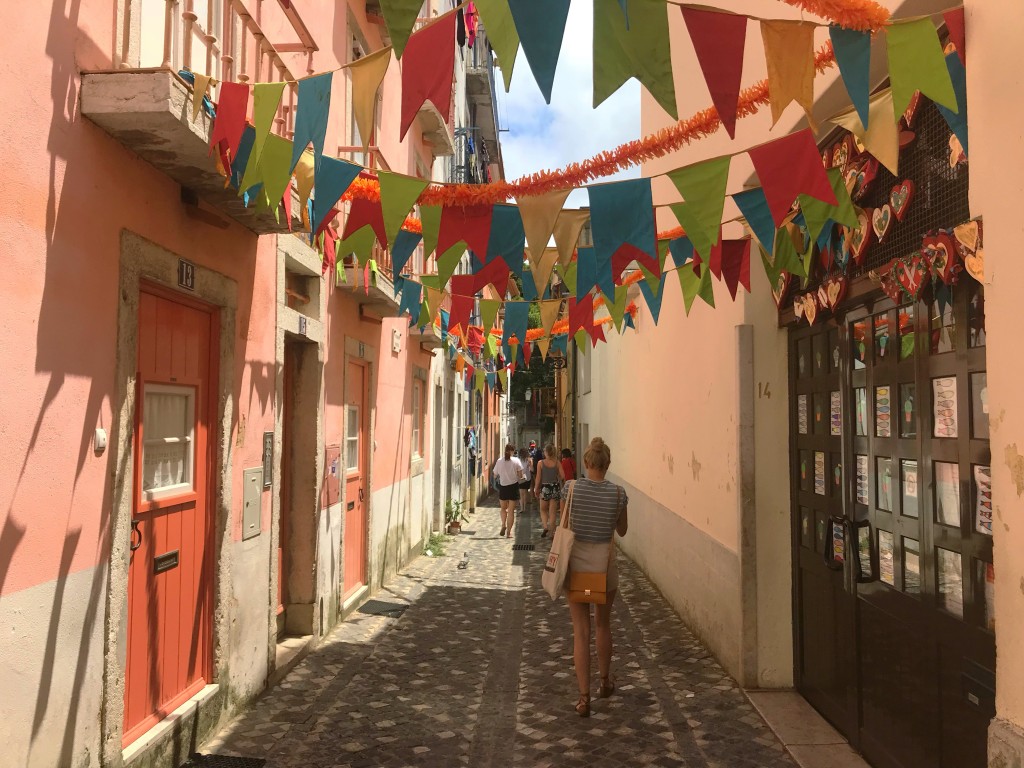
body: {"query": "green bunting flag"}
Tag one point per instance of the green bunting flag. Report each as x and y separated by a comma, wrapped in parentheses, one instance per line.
(818, 213)
(617, 308)
(359, 243)
(785, 255)
(448, 261)
(540, 25)
(430, 219)
(703, 189)
(916, 63)
(638, 48)
(501, 34)
(265, 100)
(489, 312)
(400, 16)
(568, 274)
(273, 170)
(694, 285)
(398, 194)
(580, 338)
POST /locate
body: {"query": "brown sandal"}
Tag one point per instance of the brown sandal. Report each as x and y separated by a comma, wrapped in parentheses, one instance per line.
(583, 705)
(607, 687)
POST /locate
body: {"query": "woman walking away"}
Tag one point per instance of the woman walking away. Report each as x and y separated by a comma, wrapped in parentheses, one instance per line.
(546, 486)
(527, 481)
(568, 465)
(598, 511)
(509, 473)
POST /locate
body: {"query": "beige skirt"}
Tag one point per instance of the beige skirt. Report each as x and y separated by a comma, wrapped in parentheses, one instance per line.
(592, 557)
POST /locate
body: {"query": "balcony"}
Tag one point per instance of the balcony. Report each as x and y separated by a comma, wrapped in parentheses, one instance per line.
(147, 106)
(480, 91)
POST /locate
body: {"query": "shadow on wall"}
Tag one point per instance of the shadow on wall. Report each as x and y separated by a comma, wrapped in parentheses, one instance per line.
(81, 207)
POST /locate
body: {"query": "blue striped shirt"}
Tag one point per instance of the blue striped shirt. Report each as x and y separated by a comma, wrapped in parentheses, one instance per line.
(595, 509)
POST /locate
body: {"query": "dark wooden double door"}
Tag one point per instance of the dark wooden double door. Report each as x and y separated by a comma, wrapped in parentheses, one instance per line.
(893, 570)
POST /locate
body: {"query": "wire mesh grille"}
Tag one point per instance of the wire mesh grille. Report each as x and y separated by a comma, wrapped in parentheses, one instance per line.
(940, 198)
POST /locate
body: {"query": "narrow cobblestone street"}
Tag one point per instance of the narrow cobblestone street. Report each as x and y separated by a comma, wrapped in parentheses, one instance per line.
(477, 671)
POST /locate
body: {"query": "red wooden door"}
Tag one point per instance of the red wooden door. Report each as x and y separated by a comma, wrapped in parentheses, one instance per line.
(170, 576)
(354, 571)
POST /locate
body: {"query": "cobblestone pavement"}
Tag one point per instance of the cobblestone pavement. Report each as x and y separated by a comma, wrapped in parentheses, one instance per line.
(477, 671)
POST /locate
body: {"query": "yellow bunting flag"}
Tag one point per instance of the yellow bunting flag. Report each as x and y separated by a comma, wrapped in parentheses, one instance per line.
(881, 138)
(541, 270)
(367, 74)
(434, 298)
(460, 364)
(789, 53)
(304, 183)
(542, 346)
(567, 233)
(200, 87)
(539, 215)
(549, 314)
(265, 100)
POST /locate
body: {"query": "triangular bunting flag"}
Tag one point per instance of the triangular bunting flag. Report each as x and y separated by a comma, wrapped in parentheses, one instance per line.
(366, 76)
(703, 189)
(448, 262)
(526, 350)
(540, 25)
(853, 55)
(789, 53)
(332, 181)
(653, 297)
(403, 248)
(549, 313)
(639, 49)
(517, 318)
(311, 112)
(567, 232)
(592, 272)
(754, 207)
(365, 213)
(411, 300)
(458, 316)
(400, 16)
(501, 34)
(957, 121)
(430, 224)
(230, 121)
(398, 194)
(469, 224)
(597, 332)
(359, 243)
(881, 138)
(696, 281)
(507, 239)
(241, 160)
(718, 39)
(617, 308)
(569, 276)
(304, 180)
(682, 250)
(427, 70)
(581, 313)
(265, 100)
(541, 270)
(622, 212)
(916, 64)
(539, 215)
(495, 273)
(542, 346)
(736, 264)
(817, 213)
(489, 312)
(580, 337)
(789, 166)
(273, 169)
(200, 85)
(954, 26)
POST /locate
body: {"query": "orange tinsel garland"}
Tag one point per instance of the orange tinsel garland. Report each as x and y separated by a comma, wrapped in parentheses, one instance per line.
(852, 14)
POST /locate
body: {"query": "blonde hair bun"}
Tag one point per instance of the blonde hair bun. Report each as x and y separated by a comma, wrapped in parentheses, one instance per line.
(598, 456)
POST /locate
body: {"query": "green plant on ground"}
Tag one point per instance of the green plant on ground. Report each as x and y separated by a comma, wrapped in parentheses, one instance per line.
(453, 512)
(435, 544)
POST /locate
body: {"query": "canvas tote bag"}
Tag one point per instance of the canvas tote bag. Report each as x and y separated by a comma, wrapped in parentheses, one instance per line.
(553, 578)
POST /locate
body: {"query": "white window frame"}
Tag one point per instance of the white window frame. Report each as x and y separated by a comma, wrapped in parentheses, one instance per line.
(178, 489)
(351, 418)
(417, 419)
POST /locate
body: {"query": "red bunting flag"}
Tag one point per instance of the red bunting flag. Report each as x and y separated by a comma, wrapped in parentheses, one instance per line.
(735, 264)
(470, 224)
(791, 166)
(957, 32)
(626, 254)
(715, 258)
(327, 221)
(718, 40)
(527, 352)
(330, 252)
(462, 290)
(597, 333)
(475, 339)
(581, 314)
(496, 273)
(365, 212)
(230, 121)
(428, 66)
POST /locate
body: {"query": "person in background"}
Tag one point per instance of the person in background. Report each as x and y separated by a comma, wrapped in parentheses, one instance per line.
(596, 514)
(527, 482)
(568, 465)
(508, 474)
(536, 455)
(547, 485)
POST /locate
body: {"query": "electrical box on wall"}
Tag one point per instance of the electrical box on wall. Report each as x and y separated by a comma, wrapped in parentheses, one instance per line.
(396, 340)
(252, 502)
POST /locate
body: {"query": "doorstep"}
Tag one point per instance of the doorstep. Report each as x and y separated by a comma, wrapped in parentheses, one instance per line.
(171, 728)
(289, 652)
(354, 601)
(805, 734)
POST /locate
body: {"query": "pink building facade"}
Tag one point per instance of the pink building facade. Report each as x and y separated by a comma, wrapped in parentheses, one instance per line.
(213, 452)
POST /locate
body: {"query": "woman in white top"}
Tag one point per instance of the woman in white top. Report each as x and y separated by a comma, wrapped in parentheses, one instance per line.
(527, 481)
(508, 474)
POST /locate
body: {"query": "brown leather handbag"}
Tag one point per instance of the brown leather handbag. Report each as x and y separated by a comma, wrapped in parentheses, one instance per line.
(590, 587)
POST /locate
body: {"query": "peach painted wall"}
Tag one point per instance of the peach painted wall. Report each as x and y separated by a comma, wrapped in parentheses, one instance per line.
(76, 189)
(995, 38)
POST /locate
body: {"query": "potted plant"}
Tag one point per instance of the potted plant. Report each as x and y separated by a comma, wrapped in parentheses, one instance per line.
(454, 516)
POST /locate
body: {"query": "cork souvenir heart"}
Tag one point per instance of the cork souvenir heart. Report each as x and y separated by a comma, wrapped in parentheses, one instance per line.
(798, 307)
(881, 221)
(941, 253)
(911, 272)
(841, 154)
(781, 288)
(810, 308)
(969, 238)
(860, 237)
(910, 113)
(835, 291)
(956, 152)
(860, 176)
(900, 197)
(821, 296)
(890, 287)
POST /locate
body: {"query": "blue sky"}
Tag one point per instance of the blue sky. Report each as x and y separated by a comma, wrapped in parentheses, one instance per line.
(546, 137)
